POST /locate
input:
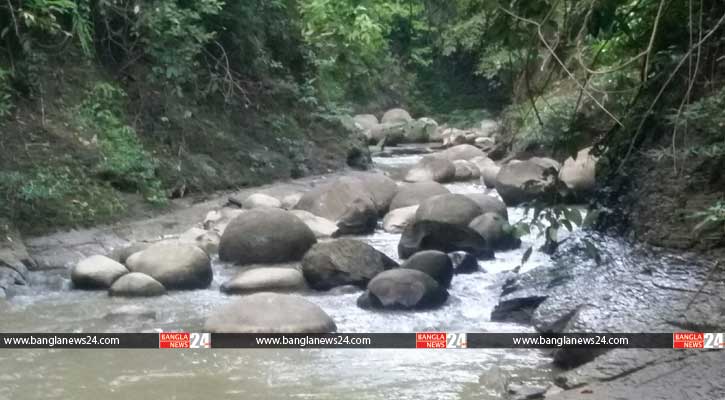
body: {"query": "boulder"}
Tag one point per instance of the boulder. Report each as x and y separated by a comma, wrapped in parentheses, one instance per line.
(382, 188)
(466, 170)
(462, 152)
(271, 279)
(524, 181)
(270, 313)
(121, 254)
(175, 265)
(414, 193)
(489, 173)
(430, 127)
(396, 115)
(489, 203)
(482, 162)
(345, 201)
(136, 284)
(489, 128)
(464, 263)
(545, 162)
(484, 143)
(454, 209)
(454, 137)
(218, 220)
(205, 240)
(434, 263)
(96, 272)
(431, 168)
(395, 221)
(403, 289)
(265, 235)
(259, 200)
(496, 230)
(579, 175)
(321, 227)
(343, 262)
(366, 121)
(290, 201)
(445, 237)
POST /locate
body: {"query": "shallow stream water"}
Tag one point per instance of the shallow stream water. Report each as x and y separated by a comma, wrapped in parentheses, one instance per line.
(270, 374)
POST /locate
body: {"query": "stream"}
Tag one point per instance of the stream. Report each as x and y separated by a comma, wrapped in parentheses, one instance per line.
(270, 374)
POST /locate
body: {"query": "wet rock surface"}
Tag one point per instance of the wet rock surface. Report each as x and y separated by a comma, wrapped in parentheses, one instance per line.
(630, 289)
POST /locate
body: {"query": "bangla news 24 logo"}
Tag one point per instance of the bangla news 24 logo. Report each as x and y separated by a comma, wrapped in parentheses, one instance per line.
(184, 340)
(440, 340)
(698, 340)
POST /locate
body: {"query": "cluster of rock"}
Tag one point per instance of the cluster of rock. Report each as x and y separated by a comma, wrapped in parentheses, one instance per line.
(516, 181)
(396, 126)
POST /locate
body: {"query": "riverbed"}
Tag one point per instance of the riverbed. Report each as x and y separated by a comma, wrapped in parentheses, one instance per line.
(51, 305)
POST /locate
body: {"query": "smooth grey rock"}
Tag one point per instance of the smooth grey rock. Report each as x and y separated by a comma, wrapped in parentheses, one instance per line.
(405, 289)
(434, 263)
(454, 209)
(270, 313)
(412, 194)
(345, 201)
(433, 235)
(343, 262)
(270, 279)
(265, 235)
(175, 265)
(136, 284)
(259, 200)
(431, 168)
(96, 272)
(396, 220)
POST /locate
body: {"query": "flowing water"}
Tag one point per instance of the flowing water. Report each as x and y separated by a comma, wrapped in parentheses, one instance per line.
(269, 374)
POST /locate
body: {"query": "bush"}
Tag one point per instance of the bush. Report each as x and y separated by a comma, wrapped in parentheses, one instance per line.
(124, 163)
(55, 196)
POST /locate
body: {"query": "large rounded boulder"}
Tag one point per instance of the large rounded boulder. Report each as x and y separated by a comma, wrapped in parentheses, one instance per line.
(136, 284)
(445, 237)
(395, 221)
(434, 263)
(462, 152)
(366, 121)
(175, 265)
(489, 203)
(270, 313)
(345, 201)
(524, 181)
(382, 189)
(489, 173)
(260, 200)
(454, 209)
(265, 235)
(321, 227)
(403, 289)
(466, 170)
(271, 279)
(496, 230)
(343, 262)
(412, 194)
(96, 272)
(579, 175)
(431, 168)
(396, 116)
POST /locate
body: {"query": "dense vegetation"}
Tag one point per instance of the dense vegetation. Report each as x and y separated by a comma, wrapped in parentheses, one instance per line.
(160, 88)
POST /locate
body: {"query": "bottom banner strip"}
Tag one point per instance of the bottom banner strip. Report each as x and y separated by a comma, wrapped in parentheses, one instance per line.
(419, 340)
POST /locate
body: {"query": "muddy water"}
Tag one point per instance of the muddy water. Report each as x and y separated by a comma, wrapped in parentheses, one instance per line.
(268, 374)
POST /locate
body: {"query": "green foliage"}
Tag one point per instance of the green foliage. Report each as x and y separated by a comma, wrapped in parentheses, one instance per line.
(548, 221)
(55, 196)
(711, 219)
(125, 164)
(706, 115)
(173, 34)
(6, 94)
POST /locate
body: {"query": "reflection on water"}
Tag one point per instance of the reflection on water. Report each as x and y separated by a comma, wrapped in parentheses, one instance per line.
(270, 374)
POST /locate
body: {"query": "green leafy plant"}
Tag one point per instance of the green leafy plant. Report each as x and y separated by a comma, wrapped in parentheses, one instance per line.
(124, 163)
(711, 219)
